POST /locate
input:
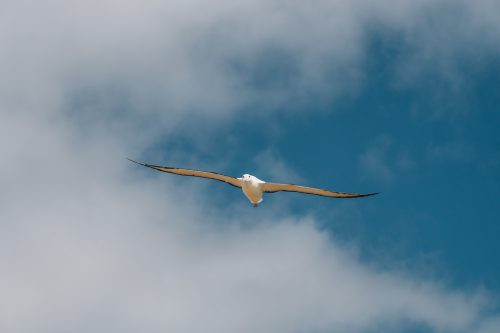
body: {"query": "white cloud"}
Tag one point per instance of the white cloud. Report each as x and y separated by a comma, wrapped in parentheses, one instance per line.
(87, 243)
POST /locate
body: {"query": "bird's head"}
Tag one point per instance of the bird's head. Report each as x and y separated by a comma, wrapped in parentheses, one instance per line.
(246, 177)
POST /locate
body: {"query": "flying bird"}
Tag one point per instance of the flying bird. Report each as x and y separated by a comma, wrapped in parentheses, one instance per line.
(253, 187)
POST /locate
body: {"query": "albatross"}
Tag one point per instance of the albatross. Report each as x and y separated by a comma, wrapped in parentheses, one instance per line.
(253, 188)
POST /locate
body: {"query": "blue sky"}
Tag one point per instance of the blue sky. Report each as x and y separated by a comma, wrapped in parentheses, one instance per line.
(354, 96)
(429, 145)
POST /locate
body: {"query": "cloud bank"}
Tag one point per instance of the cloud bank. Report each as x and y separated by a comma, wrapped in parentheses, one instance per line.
(88, 243)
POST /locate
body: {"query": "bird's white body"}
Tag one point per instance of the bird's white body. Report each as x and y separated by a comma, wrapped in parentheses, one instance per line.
(252, 188)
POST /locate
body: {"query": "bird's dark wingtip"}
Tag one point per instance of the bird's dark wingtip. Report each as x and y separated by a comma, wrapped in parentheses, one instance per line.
(131, 160)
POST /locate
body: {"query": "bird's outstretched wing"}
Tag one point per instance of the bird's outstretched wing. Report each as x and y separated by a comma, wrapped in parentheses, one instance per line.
(274, 187)
(194, 173)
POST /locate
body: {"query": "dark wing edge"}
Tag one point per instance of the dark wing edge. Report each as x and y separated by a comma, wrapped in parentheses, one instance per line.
(193, 173)
(311, 190)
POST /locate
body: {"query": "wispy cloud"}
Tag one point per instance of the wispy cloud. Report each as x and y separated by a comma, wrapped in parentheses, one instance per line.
(270, 164)
(450, 151)
(384, 161)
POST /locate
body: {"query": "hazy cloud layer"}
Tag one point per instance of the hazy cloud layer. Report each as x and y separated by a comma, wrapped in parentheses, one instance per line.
(88, 244)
